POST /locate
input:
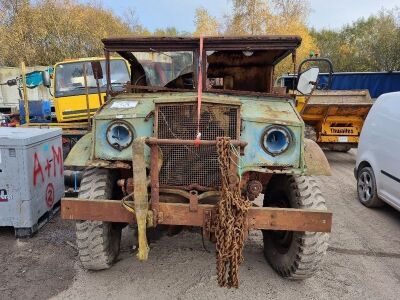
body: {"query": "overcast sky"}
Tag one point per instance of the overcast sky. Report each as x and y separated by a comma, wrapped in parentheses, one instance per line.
(179, 13)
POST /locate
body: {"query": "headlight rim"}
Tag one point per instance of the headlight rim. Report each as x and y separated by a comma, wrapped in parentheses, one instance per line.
(125, 124)
(288, 134)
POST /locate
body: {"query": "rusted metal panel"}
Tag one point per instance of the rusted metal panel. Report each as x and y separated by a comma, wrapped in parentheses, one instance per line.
(154, 180)
(284, 43)
(193, 201)
(243, 72)
(152, 141)
(192, 97)
(180, 214)
(132, 87)
(271, 94)
(272, 110)
(99, 163)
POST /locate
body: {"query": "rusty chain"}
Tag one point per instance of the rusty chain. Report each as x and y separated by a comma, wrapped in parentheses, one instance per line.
(231, 217)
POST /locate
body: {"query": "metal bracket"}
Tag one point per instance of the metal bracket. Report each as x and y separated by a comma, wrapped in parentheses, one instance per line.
(193, 201)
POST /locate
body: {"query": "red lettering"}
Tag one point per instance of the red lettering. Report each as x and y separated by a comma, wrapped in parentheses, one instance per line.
(57, 159)
(37, 169)
(48, 167)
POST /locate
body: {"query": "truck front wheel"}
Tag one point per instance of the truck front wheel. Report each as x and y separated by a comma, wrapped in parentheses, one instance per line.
(98, 242)
(295, 255)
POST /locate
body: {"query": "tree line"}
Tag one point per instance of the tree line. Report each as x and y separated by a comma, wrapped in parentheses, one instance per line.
(43, 32)
(368, 44)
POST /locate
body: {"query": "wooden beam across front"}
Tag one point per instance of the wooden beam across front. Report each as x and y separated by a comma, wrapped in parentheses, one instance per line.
(179, 214)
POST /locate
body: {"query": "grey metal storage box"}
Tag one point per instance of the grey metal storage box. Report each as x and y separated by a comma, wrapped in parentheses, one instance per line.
(31, 177)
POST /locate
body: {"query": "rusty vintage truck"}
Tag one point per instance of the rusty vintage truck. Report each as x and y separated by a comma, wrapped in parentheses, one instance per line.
(152, 158)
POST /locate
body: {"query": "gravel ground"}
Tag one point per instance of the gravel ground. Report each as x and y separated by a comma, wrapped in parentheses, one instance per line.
(363, 261)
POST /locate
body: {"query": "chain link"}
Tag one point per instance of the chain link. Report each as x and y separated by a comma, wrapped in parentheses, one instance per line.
(231, 217)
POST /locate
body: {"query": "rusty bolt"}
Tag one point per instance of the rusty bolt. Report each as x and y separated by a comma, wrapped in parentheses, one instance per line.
(254, 188)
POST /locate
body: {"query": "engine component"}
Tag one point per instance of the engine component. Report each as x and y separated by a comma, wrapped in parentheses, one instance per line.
(254, 188)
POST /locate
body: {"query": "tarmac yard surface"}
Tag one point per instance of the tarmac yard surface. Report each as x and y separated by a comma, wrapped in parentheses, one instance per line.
(362, 262)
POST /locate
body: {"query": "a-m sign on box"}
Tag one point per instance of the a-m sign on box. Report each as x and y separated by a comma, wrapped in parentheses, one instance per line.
(31, 177)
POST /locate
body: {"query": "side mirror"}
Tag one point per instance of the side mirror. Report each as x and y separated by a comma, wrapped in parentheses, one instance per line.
(46, 79)
(97, 70)
(307, 81)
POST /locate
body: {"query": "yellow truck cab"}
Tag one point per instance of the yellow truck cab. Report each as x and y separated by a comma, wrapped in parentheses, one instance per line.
(70, 91)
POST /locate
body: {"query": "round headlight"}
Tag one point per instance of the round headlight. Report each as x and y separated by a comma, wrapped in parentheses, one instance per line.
(119, 135)
(276, 139)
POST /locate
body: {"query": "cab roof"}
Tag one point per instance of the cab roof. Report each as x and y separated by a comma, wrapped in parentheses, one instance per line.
(279, 46)
(85, 59)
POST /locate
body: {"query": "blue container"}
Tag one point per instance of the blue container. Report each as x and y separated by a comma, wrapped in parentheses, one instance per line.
(39, 110)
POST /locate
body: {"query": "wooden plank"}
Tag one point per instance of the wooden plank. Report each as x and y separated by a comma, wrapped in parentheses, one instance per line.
(289, 219)
(179, 214)
(94, 210)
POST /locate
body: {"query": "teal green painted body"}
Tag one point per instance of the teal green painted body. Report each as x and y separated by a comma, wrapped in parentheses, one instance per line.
(256, 114)
(80, 153)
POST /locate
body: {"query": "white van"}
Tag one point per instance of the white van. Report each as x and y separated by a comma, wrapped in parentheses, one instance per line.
(378, 159)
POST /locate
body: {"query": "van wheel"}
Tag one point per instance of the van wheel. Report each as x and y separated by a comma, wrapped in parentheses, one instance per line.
(295, 255)
(366, 188)
(98, 242)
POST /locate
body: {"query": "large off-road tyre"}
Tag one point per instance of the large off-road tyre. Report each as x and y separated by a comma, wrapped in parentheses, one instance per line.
(310, 133)
(294, 255)
(98, 242)
(366, 188)
(339, 147)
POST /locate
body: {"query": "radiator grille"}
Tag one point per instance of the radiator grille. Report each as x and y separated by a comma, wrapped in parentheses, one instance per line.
(186, 165)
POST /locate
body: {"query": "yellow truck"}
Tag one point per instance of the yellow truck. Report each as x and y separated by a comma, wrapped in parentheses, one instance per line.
(78, 88)
(70, 90)
(333, 118)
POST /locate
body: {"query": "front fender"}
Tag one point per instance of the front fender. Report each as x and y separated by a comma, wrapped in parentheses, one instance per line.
(315, 159)
(80, 153)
